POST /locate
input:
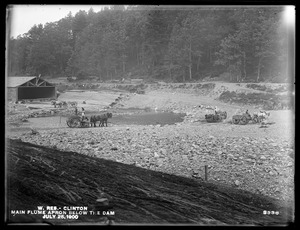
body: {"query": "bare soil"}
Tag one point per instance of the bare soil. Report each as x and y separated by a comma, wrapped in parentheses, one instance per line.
(255, 159)
(44, 176)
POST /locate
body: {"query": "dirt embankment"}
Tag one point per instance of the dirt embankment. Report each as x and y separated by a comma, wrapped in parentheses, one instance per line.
(268, 96)
(44, 176)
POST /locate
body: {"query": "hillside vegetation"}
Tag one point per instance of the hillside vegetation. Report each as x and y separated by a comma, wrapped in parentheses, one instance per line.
(167, 43)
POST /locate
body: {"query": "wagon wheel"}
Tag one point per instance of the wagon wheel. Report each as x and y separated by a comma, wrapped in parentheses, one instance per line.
(74, 123)
(235, 120)
(260, 119)
(217, 118)
(255, 119)
(85, 124)
(222, 116)
(214, 118)
(244, 120)
(68, 123)
(209, 118)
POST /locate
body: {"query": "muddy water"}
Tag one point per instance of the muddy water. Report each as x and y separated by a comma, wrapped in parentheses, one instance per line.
(148, 118)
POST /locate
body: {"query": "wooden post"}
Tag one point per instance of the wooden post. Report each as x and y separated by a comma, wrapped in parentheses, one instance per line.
(205, 172)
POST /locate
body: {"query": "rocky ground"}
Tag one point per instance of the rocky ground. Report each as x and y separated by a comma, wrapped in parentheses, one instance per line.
(42, 176)
(260, 165)
(251, 157)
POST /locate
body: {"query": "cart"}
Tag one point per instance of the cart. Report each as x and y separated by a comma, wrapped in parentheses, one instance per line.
(241, 119)
(77, 122)
(217, 117)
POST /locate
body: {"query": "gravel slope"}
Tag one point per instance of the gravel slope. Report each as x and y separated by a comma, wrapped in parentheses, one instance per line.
(45, 176)
(235, 155)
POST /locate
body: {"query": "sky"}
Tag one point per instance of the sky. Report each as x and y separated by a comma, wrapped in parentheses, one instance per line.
(23, 17)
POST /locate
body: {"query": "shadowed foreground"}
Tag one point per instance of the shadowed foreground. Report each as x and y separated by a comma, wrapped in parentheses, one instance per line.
(40, 176)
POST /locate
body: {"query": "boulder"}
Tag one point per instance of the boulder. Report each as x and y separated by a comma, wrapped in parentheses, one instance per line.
(237, 183)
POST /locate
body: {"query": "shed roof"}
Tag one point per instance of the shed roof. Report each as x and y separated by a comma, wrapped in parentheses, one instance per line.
(17, 81)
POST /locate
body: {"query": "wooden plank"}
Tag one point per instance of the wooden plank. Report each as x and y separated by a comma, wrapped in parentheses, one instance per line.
(42, 82)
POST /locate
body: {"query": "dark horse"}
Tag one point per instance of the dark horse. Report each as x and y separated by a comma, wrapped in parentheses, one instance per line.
(102, 118)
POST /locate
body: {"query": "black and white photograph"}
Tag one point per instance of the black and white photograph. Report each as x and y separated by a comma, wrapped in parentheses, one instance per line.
(160, 115)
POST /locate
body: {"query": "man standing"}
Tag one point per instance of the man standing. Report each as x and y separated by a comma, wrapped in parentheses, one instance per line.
(82, 113)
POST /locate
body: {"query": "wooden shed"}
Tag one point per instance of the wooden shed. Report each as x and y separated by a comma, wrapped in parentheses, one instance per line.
(29, 88)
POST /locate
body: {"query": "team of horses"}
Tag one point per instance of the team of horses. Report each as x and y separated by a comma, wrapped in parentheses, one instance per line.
(102, 118)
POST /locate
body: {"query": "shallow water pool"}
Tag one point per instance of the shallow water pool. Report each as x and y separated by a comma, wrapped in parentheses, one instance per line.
(140, 118)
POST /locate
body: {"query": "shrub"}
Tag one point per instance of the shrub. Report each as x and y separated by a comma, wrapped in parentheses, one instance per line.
(267, 101)
(257, 87)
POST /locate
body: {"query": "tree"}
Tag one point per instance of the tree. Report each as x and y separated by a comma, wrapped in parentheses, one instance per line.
(251, 45)
(179, 44)
(18, 50)
(79, 23)
(266, 40)
(155, 36)
(230, 57)
(179, 50)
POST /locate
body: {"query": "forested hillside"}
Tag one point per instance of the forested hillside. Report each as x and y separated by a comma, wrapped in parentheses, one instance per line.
(175, 44)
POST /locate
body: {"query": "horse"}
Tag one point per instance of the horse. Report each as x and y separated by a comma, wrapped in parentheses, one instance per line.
(261, 116)
(60, 104)
(72, 103)
(102, 118)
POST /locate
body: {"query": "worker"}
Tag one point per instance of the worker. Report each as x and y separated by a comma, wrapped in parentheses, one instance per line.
(216, 110)
(82, 113)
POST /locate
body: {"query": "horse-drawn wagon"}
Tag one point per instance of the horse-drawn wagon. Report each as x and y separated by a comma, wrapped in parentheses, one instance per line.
(77, 122)
(241, 119)
(216, 117)
(244, 118)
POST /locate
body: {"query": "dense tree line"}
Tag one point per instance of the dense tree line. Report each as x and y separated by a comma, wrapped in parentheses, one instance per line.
(173, 44)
